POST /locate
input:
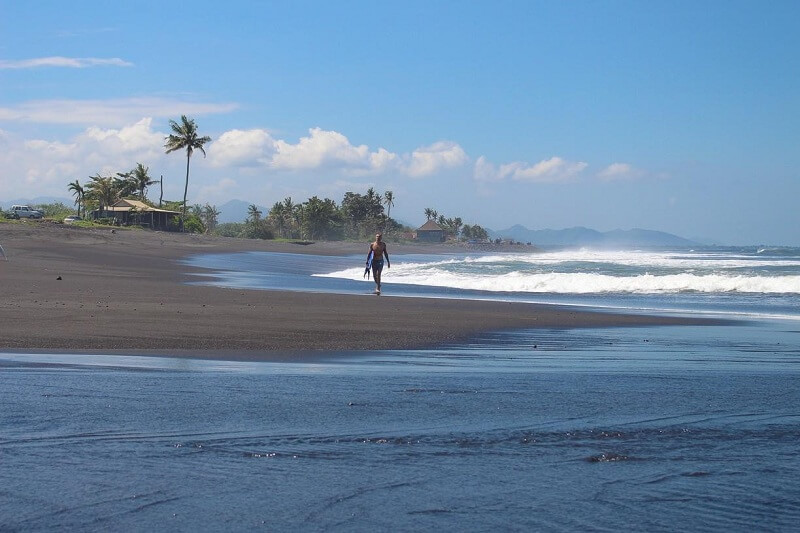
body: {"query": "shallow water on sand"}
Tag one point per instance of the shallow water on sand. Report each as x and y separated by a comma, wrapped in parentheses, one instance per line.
(683, 428)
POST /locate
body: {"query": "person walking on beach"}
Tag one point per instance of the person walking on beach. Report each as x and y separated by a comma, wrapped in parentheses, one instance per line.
(378, 251)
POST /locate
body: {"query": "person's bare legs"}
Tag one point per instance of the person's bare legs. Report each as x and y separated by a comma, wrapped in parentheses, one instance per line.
(376, 275)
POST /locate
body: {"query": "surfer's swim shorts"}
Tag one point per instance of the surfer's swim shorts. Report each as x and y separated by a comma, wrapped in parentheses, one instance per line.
(377, 265)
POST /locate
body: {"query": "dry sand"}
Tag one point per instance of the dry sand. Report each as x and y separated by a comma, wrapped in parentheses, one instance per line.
(71, 289)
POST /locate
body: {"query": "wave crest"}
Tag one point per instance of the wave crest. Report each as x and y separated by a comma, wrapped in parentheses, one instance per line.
(587, 283)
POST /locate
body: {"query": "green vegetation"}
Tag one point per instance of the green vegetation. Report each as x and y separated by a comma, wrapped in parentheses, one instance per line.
(140, 178)
(56, 211)
(359, 216)
(388, 201)
(454, 228)
(202, 219)
(103, 191)
(474, 232)
(230, 229)
(76, 189)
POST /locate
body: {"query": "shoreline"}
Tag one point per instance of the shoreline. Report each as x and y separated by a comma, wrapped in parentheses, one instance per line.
(126, 293)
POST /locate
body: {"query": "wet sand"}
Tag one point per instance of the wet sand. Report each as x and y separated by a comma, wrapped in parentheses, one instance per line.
(68, 289)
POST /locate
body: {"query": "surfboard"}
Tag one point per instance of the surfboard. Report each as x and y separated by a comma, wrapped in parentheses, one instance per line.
(369, 263)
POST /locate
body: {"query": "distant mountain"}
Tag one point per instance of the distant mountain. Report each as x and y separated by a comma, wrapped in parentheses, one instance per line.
(580, 236)
(236, 211)
(5, 204)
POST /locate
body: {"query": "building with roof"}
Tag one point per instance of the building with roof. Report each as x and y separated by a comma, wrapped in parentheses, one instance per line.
(430, 232)
(134, 212)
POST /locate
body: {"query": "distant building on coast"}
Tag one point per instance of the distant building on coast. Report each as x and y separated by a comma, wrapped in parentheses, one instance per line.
(126, 212)
(430, 232)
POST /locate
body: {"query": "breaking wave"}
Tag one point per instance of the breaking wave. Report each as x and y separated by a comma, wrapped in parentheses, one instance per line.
(593, 272)
(578, 283)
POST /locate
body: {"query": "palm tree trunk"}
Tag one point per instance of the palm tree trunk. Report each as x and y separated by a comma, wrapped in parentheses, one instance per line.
(185, 188)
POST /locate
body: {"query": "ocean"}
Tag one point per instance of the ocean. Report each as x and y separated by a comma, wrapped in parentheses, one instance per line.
(689, 428)
(756, 282)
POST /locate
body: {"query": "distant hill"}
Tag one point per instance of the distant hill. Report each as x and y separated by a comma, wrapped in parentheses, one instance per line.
(580, 236)
(5, 204)
(236, 211)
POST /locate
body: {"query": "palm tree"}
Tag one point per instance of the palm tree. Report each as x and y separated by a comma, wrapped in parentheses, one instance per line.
(211, 217)
(297, 217)
(374, 204)
(101, 188)
(77, 190)
(429, 213)
(185, 136)
(388, 200)
(253, 213)
(141, 179)
(290, 213)
(278, 217)
(124, 184)
(457, 224)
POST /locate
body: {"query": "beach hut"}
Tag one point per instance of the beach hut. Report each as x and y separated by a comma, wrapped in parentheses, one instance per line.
(127, 211)
(430, 232)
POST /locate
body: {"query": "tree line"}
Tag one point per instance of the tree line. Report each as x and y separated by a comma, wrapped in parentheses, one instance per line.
(102, 191)
(455, 228)
(356, 217)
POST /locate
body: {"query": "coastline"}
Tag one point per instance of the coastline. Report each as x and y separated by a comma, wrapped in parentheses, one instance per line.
(125, 293)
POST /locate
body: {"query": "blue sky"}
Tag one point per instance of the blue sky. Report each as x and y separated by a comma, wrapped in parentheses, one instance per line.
(675, 116)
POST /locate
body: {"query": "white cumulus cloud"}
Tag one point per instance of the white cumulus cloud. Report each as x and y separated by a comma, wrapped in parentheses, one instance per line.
(619, 171)
(383, 160)
(550, 170)
(438, 156)
(328, 149)
(242, 148)
(47, 165)
(322, 148)
(136, 138)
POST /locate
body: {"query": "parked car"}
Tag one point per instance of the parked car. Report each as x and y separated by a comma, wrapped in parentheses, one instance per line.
(24, 211)
(9, 214)
(72, 218)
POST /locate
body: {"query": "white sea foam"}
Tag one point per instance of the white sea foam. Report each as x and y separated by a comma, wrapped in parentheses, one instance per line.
(630, 259)
(594, 272)
(584, 283)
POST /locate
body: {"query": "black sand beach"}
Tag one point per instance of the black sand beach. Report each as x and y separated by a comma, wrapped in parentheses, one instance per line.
(71, 289)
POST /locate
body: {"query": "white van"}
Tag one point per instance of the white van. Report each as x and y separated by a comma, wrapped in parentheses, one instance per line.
(24, 211)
